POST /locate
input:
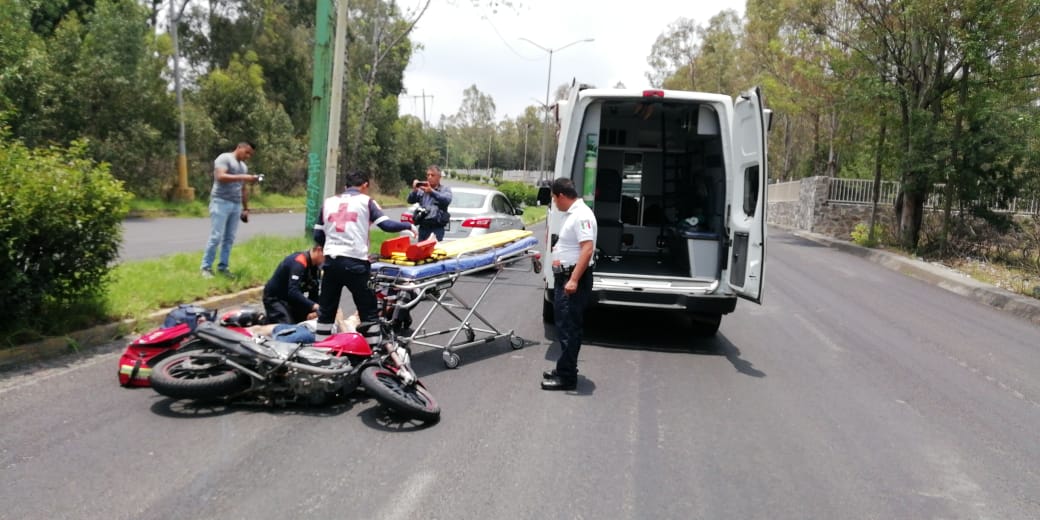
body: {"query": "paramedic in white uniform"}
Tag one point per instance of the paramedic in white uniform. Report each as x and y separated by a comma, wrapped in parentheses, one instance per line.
(572, 259)
(342, 228)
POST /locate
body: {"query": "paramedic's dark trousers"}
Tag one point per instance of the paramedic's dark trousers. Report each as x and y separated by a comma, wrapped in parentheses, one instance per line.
(353, 274)
(570, 317)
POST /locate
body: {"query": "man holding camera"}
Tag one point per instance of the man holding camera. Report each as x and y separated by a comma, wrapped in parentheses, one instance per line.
(228, 203)
(433, 197)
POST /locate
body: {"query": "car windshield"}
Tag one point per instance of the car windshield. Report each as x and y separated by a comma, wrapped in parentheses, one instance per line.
(463, 200)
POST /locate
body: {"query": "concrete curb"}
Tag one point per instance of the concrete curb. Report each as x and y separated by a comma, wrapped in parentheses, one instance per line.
(953, 281)
(86, 339)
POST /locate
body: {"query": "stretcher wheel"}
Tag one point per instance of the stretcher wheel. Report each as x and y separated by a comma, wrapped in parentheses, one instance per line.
(516, 341)
(470, 336)
(451, 360)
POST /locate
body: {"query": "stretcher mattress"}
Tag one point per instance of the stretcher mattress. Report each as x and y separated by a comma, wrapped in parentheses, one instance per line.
(483, 258)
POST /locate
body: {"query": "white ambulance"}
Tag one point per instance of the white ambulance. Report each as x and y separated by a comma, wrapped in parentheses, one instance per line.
(677, 181)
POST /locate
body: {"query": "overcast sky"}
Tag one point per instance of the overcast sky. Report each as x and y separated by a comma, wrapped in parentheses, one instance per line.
(465, 45)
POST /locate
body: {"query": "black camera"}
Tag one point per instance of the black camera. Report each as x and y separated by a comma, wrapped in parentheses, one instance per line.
(420, 184)
(420, 214)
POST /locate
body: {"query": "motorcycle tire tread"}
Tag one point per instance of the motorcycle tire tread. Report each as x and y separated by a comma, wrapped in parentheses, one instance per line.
(428, 411)
(213, 387)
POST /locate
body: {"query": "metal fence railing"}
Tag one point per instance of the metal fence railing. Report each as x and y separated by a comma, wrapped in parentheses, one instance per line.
(861, 191)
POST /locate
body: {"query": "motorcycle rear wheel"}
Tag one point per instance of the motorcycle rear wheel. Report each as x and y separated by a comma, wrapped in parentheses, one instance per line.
(413, 401)
(181, 376)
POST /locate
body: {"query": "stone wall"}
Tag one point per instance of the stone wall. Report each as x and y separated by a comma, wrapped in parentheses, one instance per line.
(838, 219)
(814, 212)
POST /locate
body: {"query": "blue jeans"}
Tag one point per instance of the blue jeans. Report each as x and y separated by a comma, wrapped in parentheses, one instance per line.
(426, 231)
(293, 333)
(223, 218)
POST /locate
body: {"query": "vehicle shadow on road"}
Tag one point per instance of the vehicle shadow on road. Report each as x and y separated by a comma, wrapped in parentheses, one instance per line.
(427, 361)
(191, 409)
(654, 331)
(384, 419)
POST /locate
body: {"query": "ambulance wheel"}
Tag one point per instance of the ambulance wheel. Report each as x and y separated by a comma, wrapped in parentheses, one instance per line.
(705, 325)
(548, 312)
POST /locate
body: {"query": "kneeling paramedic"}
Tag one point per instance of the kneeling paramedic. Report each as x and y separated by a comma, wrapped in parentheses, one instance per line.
(343, 229)
(291, 295)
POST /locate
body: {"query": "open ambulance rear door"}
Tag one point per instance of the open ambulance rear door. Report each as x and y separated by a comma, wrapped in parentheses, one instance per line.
(746, 211)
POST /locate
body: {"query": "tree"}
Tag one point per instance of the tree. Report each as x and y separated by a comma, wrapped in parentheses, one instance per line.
(927, 46)
(388, 40)
(475, 126)
(238, 111)
(672, 52)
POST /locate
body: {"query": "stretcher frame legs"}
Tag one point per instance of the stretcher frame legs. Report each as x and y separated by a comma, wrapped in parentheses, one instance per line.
(470, 322)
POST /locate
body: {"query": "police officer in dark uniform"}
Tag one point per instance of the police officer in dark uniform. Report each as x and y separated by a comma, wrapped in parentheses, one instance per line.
(572, 258)
(291, 295)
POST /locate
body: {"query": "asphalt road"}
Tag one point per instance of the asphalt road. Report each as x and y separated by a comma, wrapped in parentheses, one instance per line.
(145, 238)
(853, 392)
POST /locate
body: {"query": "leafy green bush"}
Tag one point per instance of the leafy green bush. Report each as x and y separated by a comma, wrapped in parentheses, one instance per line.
(60, 228)
(861, 235)
(519, 193)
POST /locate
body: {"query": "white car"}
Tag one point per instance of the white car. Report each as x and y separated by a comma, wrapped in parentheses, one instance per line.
(477, 211)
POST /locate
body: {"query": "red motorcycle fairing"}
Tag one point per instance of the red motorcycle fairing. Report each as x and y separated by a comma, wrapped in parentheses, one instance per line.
(160, 336)
(135, 365)
(345, 343)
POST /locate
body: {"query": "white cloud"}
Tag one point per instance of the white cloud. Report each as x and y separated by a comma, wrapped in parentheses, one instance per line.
(461, 48)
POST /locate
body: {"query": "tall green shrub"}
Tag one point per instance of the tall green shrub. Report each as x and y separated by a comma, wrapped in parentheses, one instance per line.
(519, 193)
(60, 228)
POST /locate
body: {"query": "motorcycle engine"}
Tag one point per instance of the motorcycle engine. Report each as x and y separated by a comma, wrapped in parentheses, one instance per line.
(306, 384)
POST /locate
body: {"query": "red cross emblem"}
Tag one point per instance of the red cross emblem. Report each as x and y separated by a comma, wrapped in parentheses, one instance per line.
(342, 216)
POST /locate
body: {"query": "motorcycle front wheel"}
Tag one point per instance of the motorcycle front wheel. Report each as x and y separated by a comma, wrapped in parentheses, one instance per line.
(186, 376)
(413, 401)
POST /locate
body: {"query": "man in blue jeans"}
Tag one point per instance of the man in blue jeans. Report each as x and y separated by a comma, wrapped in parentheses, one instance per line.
(228, 202)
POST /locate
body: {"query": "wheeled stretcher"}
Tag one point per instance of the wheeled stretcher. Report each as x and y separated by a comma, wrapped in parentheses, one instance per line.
(434, 282)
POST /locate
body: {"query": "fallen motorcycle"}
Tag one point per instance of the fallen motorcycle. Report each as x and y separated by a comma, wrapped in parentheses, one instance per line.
(142, 354)
(223, 364)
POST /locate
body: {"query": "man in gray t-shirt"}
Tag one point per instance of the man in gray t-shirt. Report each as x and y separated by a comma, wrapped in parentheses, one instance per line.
(228, 202)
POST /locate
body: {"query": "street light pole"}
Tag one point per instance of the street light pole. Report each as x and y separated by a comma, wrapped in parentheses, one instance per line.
(182, 192)
(548, 81)
(526, 128)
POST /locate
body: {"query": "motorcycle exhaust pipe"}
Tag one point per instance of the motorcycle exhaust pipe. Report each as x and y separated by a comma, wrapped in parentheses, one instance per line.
(239, 367)
(317, 370)
(293, 364)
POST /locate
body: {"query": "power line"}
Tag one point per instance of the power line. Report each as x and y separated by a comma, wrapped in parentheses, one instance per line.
(506, 43)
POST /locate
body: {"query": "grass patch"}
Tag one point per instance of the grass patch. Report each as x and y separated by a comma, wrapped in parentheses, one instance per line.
(533, 214)
(1025, 282)
(137, 289)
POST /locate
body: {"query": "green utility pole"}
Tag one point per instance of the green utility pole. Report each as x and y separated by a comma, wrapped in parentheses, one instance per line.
(324, 25)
